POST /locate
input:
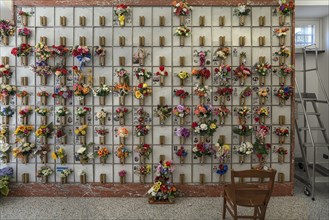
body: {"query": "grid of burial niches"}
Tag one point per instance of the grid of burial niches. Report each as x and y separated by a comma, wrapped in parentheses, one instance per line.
(172, 52)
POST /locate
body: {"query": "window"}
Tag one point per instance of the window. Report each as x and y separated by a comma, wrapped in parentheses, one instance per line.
(304, 35)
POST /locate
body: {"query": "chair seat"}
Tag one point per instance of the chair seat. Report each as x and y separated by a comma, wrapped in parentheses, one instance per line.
(245, 195)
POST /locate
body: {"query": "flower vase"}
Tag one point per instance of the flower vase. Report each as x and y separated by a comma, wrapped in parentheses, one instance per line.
(141, 61)
(82, 100)
(24, 39)
(62, 101)
(242, 81)
(282, 20)
(242, 138)
(181, 178)
(241, 159)
(25, 120)
(62, 120)
(142, 159)
(44, 179)
(282, 40)
(282, 80)
(281, 177)
(25, 139)
(43, 140)
(202, 159)
(63, 160)
(182, 20)
(141, 101)
(181, 82)
(262, 160)
(24, 60)
(122, 121)
(281, 158)
(262, 119)
(122, 179)
(202, 79)
(122, 20)
(242, 121)
(63, 140)
(64, 180)
(103, 160)
(62, 80)
(5, 40)
(25, 20)
(142, 179)
(243, 101)
(222, 100)
(83, 160)
(122, 79)
(181, 41)
(161, 81)
(82, 140)
(181, 101)
(102, 140)
(122, 160)
(242, 20)
(122, 100)
(122, 140)
(43, 119)
(202, 139)
(43, 100)
(222, 120)
(6, 158)
(181, 159)
(5, 100)
(282, 60)
(182, 121)
(63, 61)
(5, 80)
(44, 158)
(25, 159)
(5, 120)
(282, 140)
(82, 120)
(262, 100)
(221, 178)
(102, 60)
(202, 100)
(141, 139)
(102, 121)
(25, 100)
(181, 140)
(282, 101)
(43, 80)
(262, 80)
(141, 79)
(101, 100)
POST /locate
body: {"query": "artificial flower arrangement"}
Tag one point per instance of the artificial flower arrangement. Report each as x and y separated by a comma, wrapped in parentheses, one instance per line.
(120, 114)
(262, 69)
(42, 52)
(182, 133)
(122, 153)
(81, 90)
(163, 112)
(142, 91)
(283, 52)
(201, 74)
(283, 72)
(141, 130)
(102, 153)
(81, 131)
(44, 173)
(280, 32)
(100, 51)
(207, 128)
(283, 93)
(123, 133)
(182, 75)
(6, 29)
(60, 154)
(42, 111)
(181, 8)
(22, 50)
(201, 150)
(5, 72)
(101, 116)
(62, 92)
(203, 111)
(243, 131)
(143, 116)
(24, 113)
(281, 154)
(162, 73)
(43, 94)
(4, 132)
(7, 111)
(122, 11)
(122, 175)
(82, 111)
(24, 32)
(244, 149)
(141, 74)
(102, 91)
(23, 151)
(221, 112)
(182, 94)
(261, 114)
(142, 171)
(242, 113)
(5, 174)
(222, 53)
(65, 173)
(43, 153)
(241, 11)
(221, 170)
(24, 17)
(242, 73)
(144, 151)
(286, 8)
(101, 131)
(23, 95)
(224, 94)
(262, 151)
(163, 189)
(82, 54)
(123, 75)
(60, 51)
(261, 133)
(5, 92)
(222, 152)
(181, 153)
(282, 133)
(62, 111)
(181, 111)
(43, 70)
(263, 95)
(44, 131)
(246, 92)
(182, 32)
(223, 73)
(202, 91)
(84, 154)
(202, 57)
(122, 90)
(4, 152)
(23, 131)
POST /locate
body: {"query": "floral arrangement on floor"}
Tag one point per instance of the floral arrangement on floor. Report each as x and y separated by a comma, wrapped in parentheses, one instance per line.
(25, 112)
(142, 73)
(44, 130)
(5, 71)
(82, 111)
(5, 174)
(25, 32)
(207, 128)
(142, 91)
(203, 111)
(183, 132)
(243, 130)
(245, 148)
(241, 10)
(122, 152)
(6, 28)
(222, 53)
(82, 54)
(144, 150)
(122, 11)
(223, 72)
(201, 73)
(181, 111)
(23, 131)
(286, 8)
(24, 149)
(163, 112)
(182, 31)
(44, 171)
(181, 8)
(81, 131)
(283, 52)
(22, 50)
(62, 92)
(202, 90)
(62, 111)
(7, 111)
(181, 93)
(242, 73)
(202, 149)
(103, 90)
(163, 189)
(42, 52)
(4, 152)
(262, 68)
(141, 130)
(59, 153)
(84, 154)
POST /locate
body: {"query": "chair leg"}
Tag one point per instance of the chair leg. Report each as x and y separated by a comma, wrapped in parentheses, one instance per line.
(224, 208)
(255, 212)
(263, 212)
(235, 211)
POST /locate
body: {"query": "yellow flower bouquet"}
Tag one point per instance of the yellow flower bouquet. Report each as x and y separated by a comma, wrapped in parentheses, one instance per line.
(81, 131)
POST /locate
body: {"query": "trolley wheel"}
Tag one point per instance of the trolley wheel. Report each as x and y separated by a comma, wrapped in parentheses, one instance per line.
(307, 191)
(301, 166)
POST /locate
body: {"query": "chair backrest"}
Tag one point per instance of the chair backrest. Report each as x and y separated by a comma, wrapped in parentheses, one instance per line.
(254, 189)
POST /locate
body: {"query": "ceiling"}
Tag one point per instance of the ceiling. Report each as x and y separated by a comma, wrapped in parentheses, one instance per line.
(311, 11)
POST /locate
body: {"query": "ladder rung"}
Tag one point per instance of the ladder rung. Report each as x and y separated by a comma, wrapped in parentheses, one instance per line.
(321, 179)
(312, 129)
(314, 69)
(316, 145)
(309, 113)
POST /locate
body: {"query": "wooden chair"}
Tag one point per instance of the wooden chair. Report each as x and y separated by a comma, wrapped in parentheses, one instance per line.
(250, 194)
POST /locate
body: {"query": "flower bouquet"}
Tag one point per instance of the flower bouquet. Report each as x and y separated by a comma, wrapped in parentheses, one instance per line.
(261, 132)
(6, 30)
(81, 132)
(261, 114)
(43, 95)
(182, 133)
(182, 94)
(283, 54)
(182, 32)
(261, 150)
(123, 133)
(201, 74)
(262, 69)
(224, 94)
(81, 90)
(122, 90)
(23, 51)
(162, 191)
(23, 151)
(282, 133)
(61, 73)
(263, 95)
(102, 92)
(123, 75)
(281, 33)
(25, 33)
(24, 114)
(243, 131)
(242, 11)
(60, 134)
(141, 131)
(285, 9)
(64, 174)
(22, 132)
(181, 153)
(101, 52)
(43, 132)
(5, 174)
(44, 173)
(42, 52)
(245, 148)
(120, 113)
(63, 93)
(122, 175)
(122, 11)
(222, 152)
(142, 75)
(284, 71)
(182, 75)
(43, 153)
(242, 73)
(163, 112)
(181, 8)
(101, 132)
(284, 93)
(81, 112)
(221, 112)
(181, 111)
(144, 151)
(61, 52)
(162, 73)
(84, 154)
(4, 133)
(202, 57)
(203, 111)
(142, 91)
(62, 112)
(202, 91)
(5, 73)
(221, 170)
(122, 153)
(5, 92)
(222, 54)
(223, 73)
(24, 96)
(82, 54)
(207, 128)
(102, 153)
(246, 92)
(43, 70)
(142, 171)
(60, 154)
(24, 16)
(6, 112)
(201, 150)
(4, 152)
(281, 154)
(243, 113)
